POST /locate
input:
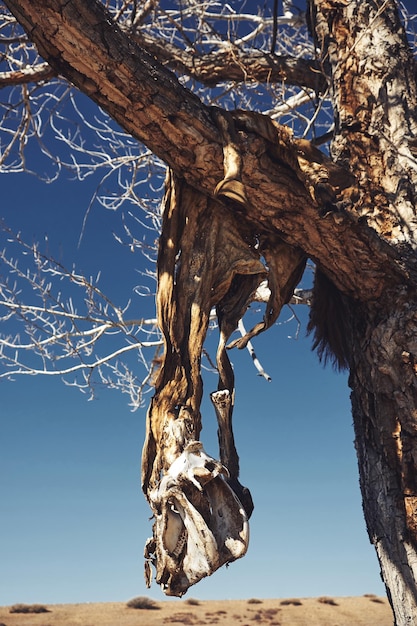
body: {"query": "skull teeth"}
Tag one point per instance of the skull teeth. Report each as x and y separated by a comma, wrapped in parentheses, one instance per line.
(180, 544)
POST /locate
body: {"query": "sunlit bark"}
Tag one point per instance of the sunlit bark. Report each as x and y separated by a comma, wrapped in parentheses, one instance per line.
(384, 395)
(374, 93)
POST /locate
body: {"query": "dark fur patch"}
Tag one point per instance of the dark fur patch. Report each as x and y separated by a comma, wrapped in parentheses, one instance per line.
(329, 316)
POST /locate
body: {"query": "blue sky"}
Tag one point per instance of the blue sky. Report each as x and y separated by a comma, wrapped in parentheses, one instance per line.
(74, 520)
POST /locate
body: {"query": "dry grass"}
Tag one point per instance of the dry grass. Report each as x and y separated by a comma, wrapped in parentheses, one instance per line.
(324, 611)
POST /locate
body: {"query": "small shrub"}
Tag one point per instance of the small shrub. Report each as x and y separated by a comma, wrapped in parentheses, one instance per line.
(192, 601)
(326, 600)
(188, 619)
(254, 601)
(270, 612)
(373, 598)
(28, 608)
(293, 601)
(142, 602)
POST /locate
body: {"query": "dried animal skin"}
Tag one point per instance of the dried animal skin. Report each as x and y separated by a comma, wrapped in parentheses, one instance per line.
(200, 523)
(200, 508)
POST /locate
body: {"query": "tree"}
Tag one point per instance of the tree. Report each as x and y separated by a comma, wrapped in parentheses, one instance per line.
(243, 183)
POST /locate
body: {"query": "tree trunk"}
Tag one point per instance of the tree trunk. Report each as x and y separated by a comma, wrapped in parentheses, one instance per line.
(372, 77)
(384, 395)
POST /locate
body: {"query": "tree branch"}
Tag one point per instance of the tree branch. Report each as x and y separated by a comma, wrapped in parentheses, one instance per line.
(290, 186)
(72, 336)
(234, 64)
(37, 73)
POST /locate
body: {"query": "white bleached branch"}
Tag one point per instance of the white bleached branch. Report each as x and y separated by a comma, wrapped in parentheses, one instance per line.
(83, 337)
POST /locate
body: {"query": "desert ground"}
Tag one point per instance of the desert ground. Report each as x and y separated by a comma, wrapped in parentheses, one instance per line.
(368, 610)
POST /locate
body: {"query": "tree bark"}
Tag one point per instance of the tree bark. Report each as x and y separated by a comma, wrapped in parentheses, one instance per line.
(374, 95)
(384, 394)
(235, 65)
(43, 71)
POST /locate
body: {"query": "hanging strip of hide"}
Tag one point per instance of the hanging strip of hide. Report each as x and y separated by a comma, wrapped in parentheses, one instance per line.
(205, 262)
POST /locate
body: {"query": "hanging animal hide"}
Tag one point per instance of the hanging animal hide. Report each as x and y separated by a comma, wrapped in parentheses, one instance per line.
(200, 508)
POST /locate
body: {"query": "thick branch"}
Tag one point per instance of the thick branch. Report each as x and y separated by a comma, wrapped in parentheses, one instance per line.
(290, 186)
(81, 42)
(233, 64)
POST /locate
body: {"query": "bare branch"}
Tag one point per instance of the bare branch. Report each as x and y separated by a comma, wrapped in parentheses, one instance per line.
(252, 353)
(231, 63)
(34, 74)
(56, 338)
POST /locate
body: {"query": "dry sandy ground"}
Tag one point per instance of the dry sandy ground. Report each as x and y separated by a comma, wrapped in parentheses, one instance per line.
(357, 611)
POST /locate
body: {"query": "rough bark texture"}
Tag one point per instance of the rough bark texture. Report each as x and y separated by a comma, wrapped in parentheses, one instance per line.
(374, 93)
(354, 215)
(236, 65)
(384, 394)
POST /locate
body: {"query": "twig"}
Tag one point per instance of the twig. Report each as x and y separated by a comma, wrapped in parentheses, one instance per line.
(251, 351)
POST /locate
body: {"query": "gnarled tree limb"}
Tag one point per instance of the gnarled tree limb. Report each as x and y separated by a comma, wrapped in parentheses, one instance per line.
(281, 177)
(236, 65)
